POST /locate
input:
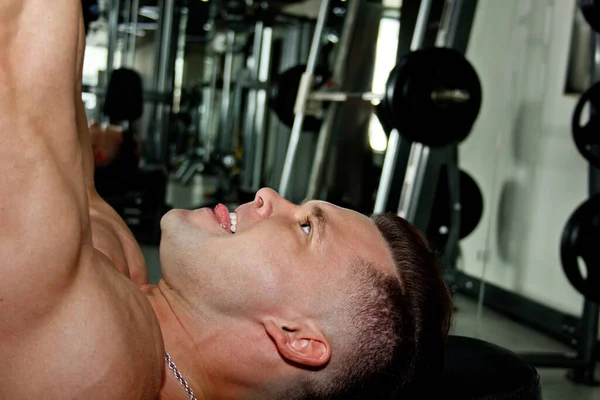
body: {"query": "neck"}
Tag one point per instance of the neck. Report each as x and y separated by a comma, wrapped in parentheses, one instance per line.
(180, 346)
(216, 360)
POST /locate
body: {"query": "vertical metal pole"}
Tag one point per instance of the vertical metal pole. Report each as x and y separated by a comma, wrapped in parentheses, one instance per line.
(180, 59)
(393, 147)
(303, 92)
(126, 19)
(164, 78)
(226, 134)
(261, 108)
(131, 39)
(249, 121)
(113, 22)
(338, 77)
(209, 115)
(387, 171)
(453, 20)
(421, 25)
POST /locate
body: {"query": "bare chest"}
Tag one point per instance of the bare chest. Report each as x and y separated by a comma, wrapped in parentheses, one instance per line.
(103, 343)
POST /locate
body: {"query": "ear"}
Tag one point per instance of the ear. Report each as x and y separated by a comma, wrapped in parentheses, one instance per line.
(299, 342)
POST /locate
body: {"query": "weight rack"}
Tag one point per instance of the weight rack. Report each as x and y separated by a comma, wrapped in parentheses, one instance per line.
(582, 365)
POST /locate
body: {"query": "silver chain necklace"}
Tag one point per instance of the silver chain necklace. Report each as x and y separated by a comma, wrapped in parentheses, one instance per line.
(179, 377)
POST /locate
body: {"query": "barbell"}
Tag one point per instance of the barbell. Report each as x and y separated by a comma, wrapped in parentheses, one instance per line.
(433, 96)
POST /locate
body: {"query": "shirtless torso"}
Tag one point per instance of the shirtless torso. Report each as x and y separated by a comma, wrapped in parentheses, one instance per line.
(74, 321)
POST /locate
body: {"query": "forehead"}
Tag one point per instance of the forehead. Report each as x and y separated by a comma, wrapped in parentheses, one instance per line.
(350, 234)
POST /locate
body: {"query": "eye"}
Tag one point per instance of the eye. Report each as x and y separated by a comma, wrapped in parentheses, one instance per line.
(306, 228)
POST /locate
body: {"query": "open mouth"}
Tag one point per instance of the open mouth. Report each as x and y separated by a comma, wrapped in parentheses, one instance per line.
(227, 220)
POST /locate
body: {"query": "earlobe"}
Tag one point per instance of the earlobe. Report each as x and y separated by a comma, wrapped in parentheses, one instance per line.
(300, 343)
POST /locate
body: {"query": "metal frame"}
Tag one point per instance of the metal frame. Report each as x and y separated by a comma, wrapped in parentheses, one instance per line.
(420, 168)
(302, 99)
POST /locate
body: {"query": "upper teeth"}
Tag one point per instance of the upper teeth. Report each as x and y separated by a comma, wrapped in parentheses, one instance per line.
(233, 217)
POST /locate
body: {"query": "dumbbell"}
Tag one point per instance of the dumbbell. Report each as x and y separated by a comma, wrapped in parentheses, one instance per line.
(433, 96)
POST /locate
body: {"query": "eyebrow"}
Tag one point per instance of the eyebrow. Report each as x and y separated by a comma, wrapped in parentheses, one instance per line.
(319, 215)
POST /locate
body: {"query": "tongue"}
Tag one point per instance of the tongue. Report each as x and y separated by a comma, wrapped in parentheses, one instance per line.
(222, 214)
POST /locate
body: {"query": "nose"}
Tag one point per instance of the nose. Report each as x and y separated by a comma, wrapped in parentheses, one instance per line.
(267, 201)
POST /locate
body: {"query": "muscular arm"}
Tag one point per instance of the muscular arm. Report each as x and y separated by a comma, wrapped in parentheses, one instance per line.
(49, 209)
(45, 230)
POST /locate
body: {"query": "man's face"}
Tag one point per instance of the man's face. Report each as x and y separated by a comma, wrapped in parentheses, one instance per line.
(282, 255)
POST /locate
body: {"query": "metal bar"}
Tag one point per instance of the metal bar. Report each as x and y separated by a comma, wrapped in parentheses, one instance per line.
(450, 252)
(113, 22)
(208, 117)
(412, 190)
(338, 77)
(166, 41)
(453, 20)
(461, 22)
(339, 97)
(126, 18)
(164, 77)
(413, 181)
(264, 70)
(225, 129)
(303, 92)
(149, 96)
(389, 165)
(249, 122)
(131, 39)
(441, 95)
(421, 25)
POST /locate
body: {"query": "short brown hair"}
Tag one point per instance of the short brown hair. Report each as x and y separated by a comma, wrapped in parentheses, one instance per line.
(399, 326)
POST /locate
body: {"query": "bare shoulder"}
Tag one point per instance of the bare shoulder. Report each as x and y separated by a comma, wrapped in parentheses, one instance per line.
(101, 342)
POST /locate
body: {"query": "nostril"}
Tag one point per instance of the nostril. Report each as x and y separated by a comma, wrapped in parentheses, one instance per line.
(261, 202)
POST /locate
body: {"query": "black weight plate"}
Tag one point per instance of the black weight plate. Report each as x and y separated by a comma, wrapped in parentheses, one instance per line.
(587, 137)
(284, 91)
(580, 239)
(417, 116)
(591, 12)
(388, 97)
(471, 200)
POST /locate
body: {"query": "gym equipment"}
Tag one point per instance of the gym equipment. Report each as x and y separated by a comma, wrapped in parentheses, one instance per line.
(137, 194)
(91, 13)
(421, 182)
(284, 91)
(477, 370)
(124, 96)
(580, 240)
(470, 204)
(587, 137)
(433, 96)
(591, 12)
(427, 92)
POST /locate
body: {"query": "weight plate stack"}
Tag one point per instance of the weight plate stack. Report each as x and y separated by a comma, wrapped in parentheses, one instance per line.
(434, 96)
